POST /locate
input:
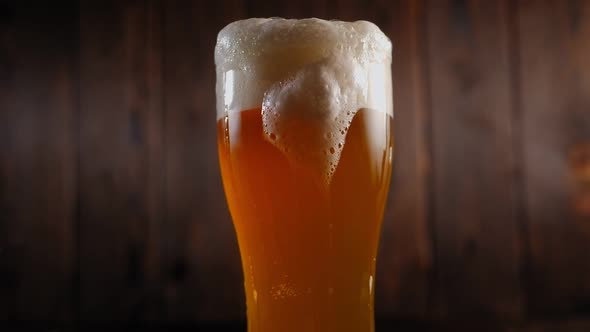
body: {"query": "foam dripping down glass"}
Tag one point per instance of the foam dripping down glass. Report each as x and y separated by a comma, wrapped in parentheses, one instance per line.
(305, 139)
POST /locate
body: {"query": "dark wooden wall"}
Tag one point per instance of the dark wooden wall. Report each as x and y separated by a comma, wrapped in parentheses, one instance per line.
(111, 204)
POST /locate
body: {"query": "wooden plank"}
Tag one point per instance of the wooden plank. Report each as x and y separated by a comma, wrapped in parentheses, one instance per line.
(404, 265)
(38, 107)
(201, 264)
(555, 84)
(121, 165)
(477, 243)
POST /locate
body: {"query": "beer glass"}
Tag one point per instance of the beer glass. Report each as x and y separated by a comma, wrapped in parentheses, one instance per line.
(305, 139)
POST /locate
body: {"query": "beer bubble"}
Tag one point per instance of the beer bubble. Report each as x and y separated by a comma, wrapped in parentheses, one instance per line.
(332, 150)
(282, 291)
(226, 130)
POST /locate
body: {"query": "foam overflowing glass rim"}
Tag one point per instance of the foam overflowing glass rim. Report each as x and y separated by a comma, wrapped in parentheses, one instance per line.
(251, 40)
(313, 69)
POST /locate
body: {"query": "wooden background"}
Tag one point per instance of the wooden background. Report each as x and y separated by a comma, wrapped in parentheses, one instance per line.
(111, 204)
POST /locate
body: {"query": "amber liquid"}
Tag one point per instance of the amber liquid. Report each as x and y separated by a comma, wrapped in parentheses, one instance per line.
(308, 247)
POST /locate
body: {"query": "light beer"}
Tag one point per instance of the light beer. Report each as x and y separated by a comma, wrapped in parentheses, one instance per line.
(305, 146)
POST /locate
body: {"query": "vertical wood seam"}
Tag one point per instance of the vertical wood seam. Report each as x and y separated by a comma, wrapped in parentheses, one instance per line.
(153, 44)
(147, 239)
(77, 282)
(163, 179)
(519, 162)
(429, 147)
(163, 316)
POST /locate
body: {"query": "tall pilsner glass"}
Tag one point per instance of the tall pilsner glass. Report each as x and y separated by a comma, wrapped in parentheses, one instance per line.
(305, 121)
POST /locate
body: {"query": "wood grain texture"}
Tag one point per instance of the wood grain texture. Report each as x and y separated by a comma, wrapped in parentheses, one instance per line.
(121, 180)
(38, 104)
(477, 244)
(405, 264)
(202, 273)
(555, 106)
(111, 204)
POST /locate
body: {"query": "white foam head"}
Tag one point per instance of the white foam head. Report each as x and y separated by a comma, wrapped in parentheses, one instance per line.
(321, 70)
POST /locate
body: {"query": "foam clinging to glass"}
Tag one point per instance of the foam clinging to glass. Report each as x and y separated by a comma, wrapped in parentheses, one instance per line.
(311, 70)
